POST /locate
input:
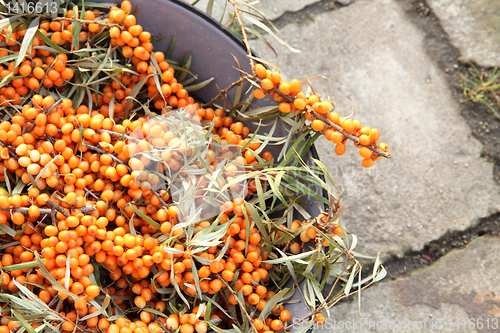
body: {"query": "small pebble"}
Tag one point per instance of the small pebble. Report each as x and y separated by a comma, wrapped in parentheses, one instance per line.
(344, 2)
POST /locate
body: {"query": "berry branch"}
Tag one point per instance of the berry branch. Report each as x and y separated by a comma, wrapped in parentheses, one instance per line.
(348, 135)
(223, 92)
(320, 113)
(243, 32)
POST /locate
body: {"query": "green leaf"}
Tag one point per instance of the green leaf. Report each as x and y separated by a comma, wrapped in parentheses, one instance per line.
(170, 49)
(156, 312)
(198, 85)
(24, 323)
(276, 190)
(348, 286)
(23, 265)
(50, 43)
(8, 230)
(145, 217)
(290, 258)
(27, 40)
(134, 92)
(262, 38)
(269, 31)
(196, 278)
(210, 6)
(8, 58)
(7, 181)
(77, 27)
(281, 296)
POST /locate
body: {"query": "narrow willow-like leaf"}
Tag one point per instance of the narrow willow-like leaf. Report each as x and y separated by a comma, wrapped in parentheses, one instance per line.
(8, 230)
(198, 85)
(23, 265)
(276, 190)
(31, 296)
(145, 217)
(102, 310)
(262, 38)
(156, 312)
(27, 40)
(133, 93)
(7, 181)
(269, 31)
(281, 296)
(50, 43)
(196, 278)
(348, 286)
(380, 274)
(24, 323)
(56, 285)
(210, 7)
(170, 49)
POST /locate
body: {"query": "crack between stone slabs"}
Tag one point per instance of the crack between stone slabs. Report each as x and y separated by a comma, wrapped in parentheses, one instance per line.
(482, 122)
(304, 16)
(415, 260)
(307, 14)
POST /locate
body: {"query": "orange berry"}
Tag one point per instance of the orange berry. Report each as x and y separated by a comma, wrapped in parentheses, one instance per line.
(365, 152)
(367, 162)
(337, 137)
(276, 325)
(340, 148)
(374, 135)
(261, 71)
(317, 125)
(267, 84)
(384, 147)
(259, 93)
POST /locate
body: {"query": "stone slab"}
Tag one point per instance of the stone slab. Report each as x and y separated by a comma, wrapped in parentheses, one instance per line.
(436, 180)
(272, 9)
(473, 27)
(457, 290)
(275, 8)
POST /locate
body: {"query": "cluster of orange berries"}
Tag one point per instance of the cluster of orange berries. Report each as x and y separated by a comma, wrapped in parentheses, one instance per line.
(334, 127)
(95, 190)
(40, 69)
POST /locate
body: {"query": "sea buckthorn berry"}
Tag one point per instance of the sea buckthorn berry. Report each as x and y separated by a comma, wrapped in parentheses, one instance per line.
(364, 140)
(319, 319)
(384, 147)
(367, 162)
(259, 93)
(337, 137)
(276, 325)
(365, 152)
(374, 134)
(317, 125)
(267, 84)
(261, 71)
(275, 77)
(295, 86)
(299, 104)
(348, 126)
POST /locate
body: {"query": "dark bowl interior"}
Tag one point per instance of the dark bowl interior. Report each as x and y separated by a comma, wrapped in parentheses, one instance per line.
(212, 48)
